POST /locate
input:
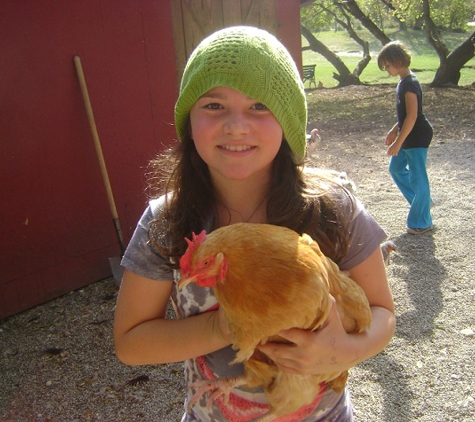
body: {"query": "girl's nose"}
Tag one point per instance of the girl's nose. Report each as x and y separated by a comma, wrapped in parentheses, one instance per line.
(236, 123)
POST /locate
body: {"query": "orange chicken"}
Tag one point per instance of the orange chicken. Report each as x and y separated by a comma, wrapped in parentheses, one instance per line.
(266, 279)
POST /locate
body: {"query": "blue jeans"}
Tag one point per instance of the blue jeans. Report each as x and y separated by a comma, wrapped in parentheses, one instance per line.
(408, 170)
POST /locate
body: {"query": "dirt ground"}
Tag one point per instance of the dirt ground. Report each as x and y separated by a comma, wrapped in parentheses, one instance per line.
(57, 360)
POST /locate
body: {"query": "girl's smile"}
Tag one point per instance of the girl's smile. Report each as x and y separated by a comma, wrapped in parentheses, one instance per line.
(236, 147)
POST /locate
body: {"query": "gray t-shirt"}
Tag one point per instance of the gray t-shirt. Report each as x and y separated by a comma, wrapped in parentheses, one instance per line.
(244, 404)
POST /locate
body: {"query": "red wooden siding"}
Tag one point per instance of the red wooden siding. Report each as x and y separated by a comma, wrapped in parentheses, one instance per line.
(57, 232)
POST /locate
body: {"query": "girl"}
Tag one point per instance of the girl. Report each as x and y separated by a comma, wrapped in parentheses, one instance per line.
(408, 140)
(241, 119)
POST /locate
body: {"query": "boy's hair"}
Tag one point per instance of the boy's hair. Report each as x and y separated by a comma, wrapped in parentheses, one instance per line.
(395, 53)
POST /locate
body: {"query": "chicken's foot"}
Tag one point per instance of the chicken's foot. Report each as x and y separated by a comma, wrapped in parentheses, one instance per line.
(219, 387)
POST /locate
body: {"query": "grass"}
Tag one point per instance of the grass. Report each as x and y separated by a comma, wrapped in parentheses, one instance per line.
(425, 61)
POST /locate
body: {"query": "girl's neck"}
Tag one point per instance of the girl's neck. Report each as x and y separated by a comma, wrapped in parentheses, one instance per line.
(242, 205)
(245, 212)
(405, 71)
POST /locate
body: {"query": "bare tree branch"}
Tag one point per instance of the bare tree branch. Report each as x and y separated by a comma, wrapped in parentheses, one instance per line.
(352, 33)
(353, 9)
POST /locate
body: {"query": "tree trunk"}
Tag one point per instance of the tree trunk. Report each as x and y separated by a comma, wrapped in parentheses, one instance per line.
(364, 61)
(352, 33)
(433, 34)
(344, 76)
(448, 72)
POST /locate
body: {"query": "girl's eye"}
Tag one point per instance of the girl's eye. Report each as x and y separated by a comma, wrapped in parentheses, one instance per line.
(213, 106)
(260, 107)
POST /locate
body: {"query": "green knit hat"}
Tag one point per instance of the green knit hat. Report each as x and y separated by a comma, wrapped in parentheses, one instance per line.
(255, 63)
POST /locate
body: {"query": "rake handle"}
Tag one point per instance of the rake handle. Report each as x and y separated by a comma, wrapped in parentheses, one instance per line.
(98, 147)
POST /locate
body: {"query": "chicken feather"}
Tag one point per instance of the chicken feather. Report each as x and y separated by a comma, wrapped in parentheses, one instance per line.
(267, 279)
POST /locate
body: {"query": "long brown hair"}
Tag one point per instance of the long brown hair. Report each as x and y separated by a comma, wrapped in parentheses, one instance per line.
(304, 204)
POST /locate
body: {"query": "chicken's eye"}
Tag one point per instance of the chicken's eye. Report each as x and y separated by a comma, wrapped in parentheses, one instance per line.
(206, 262)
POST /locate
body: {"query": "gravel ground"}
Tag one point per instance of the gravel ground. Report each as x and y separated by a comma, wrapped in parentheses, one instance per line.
(58, 363)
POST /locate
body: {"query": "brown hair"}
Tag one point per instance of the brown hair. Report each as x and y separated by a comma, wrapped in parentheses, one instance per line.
(309, 205)
(395, 53)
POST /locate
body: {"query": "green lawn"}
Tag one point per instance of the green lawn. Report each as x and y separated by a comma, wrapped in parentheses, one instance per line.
(424, 58)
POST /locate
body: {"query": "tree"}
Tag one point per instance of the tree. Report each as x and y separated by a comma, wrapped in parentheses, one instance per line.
(338, 11)
(353, 9)
(393, 10)
(345, 22)
(451, 63)
(344, 76)
(314, 18)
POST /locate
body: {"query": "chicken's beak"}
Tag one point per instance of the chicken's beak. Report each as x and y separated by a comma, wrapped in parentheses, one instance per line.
(184, 281)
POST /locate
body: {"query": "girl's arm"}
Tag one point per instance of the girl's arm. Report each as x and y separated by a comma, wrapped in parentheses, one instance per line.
(391, 135)
(408, 124)
(142, 334)
(331, 349)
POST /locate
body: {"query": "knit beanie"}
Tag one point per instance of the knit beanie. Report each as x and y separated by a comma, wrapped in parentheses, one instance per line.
(255, 63)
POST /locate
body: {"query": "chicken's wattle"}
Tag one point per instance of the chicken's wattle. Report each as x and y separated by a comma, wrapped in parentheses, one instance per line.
(206, 281)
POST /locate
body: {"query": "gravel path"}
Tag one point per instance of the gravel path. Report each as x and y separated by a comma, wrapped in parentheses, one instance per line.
(57, 360)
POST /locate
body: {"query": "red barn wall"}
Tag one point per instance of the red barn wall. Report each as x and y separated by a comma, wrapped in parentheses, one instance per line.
(56, 228)
(57, 231)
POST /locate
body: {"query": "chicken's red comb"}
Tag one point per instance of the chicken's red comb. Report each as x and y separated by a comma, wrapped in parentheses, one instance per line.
(185, 261)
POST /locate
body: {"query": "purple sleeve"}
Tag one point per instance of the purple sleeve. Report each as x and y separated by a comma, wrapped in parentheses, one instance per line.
(366, 236)
(142, 258)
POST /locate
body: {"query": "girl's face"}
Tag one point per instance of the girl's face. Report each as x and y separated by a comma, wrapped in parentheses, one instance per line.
(396, 70)
(238, 137)
(392, 69)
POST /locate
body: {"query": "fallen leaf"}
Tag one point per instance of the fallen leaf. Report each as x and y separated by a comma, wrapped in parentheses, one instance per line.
(139, 379)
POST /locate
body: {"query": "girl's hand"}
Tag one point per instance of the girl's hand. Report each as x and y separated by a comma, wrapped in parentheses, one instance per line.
(393, 149)
(327, 350)
(390, 137)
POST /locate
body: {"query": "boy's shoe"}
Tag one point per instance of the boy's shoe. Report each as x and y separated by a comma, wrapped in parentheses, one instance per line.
(419, 231)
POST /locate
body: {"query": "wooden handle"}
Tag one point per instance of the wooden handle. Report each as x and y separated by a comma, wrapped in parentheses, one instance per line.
(97, 145)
